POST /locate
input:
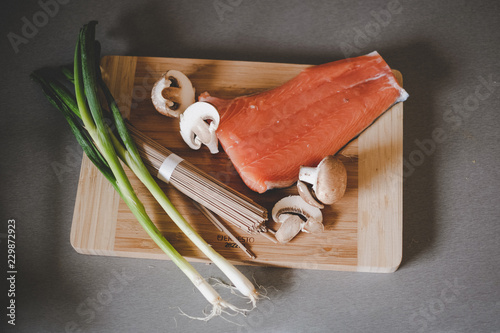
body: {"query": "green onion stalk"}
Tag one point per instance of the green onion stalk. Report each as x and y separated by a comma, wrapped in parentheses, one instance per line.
(85, 115)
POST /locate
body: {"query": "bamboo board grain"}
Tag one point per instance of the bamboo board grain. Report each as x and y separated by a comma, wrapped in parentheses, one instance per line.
(363, 232)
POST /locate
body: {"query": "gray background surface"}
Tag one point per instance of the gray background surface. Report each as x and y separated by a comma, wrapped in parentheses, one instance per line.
(449, 278)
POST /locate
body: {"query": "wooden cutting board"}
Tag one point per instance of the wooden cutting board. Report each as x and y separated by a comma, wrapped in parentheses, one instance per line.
(363, 232)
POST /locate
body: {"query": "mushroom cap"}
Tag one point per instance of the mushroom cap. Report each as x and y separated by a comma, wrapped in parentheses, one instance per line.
(331, 180)
(179, 91)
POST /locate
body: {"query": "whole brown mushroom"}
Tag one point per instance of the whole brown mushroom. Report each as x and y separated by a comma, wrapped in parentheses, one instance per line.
(328, 179)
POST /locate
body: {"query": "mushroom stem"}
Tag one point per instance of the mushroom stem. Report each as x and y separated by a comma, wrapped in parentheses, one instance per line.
(308, 174)
(172, 93)
(213, 146)
(201, 129)
(289, 229)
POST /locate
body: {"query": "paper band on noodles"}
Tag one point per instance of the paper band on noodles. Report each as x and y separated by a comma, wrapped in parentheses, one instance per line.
(168, 166)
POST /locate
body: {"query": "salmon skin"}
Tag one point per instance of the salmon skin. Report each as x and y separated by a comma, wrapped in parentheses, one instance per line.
(269, 135)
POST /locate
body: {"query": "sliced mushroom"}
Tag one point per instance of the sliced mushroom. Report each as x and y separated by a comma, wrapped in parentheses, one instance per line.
(292, 207)
(198, 124)
(306, 195)
(328, 179)
(172, 94)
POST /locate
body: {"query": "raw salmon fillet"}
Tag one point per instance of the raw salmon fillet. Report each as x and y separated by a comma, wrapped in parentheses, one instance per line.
(269, 135)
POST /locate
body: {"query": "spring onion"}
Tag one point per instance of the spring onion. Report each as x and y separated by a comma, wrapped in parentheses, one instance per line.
(85, 116)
